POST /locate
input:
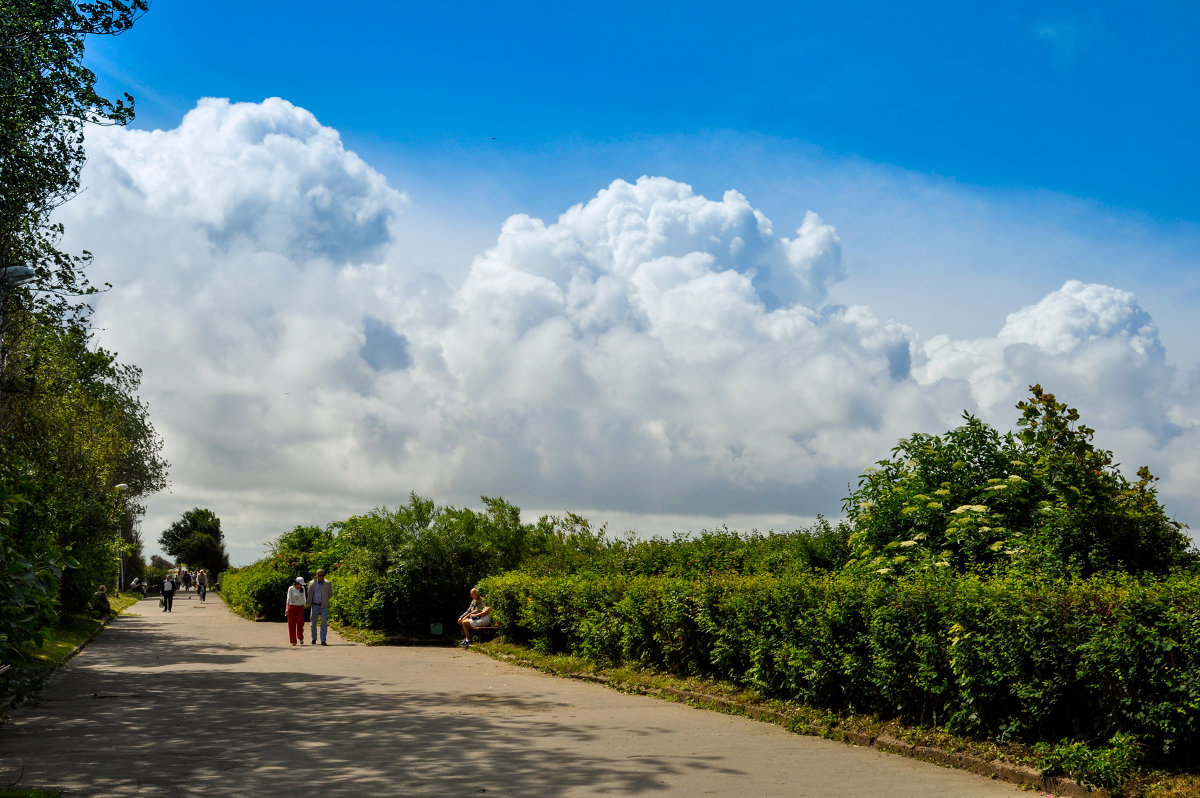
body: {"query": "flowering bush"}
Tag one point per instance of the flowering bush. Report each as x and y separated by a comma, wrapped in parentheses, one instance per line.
(1044, 499)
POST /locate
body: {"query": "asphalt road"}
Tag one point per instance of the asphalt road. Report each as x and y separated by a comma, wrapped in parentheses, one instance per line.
(200, 701)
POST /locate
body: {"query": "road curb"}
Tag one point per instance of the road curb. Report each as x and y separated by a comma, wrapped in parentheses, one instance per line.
(15, 699)
(1020, 775)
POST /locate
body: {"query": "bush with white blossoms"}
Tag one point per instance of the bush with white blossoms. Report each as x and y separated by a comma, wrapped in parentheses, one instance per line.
(1044, 497)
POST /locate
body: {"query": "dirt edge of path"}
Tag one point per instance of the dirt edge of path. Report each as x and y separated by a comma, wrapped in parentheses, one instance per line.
(1020, 775)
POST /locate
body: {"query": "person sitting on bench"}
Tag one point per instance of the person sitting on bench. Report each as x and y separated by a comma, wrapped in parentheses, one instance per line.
(478, 614)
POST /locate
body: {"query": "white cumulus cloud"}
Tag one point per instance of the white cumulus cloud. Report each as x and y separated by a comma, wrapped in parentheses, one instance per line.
(650, 353)
(1088, 341)
(641, 355)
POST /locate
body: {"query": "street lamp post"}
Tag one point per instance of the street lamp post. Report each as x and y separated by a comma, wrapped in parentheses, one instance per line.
(120, 552)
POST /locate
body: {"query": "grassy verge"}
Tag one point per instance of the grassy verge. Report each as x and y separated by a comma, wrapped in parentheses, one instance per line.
(369, 637)
(1015, 762)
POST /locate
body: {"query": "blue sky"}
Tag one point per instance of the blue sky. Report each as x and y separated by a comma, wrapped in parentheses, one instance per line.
(998, 195)
(1095, 100)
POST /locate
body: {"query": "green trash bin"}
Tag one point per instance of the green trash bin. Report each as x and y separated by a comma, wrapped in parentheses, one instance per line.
(435, 629)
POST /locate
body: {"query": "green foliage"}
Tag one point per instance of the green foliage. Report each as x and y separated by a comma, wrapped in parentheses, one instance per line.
(71, 427)
(72, 434)
(361, 600)
(47, 97)
(1094, 519)
(193, 521)
(566, 545)
(824, 547)
(415, 564)
(1016, 658)
(154, 576)
(1044, 500)
(307, 548)
(196, 539)
(401, 569)
(258, 591)
(29, 579)
(133, 561)
(1108, 767)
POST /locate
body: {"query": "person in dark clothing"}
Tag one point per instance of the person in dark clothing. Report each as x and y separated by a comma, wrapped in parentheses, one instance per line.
(100, 603)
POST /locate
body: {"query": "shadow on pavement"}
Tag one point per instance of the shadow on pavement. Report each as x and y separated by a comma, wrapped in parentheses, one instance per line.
(187, 717)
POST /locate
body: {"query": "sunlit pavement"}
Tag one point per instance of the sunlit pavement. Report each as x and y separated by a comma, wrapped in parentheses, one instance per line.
(199, 701)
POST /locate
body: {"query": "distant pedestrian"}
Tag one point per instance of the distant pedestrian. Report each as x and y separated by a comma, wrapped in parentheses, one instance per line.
(168, 592)
(187, 581)
(296, 599)
(202, 584)
(320, 591)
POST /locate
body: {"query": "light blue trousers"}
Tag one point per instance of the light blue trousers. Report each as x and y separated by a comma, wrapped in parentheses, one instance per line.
(323, 612)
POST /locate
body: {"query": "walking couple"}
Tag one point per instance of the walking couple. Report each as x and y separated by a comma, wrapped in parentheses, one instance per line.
(315, 595)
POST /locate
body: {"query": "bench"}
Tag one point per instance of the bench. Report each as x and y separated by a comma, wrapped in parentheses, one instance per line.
(476, 630)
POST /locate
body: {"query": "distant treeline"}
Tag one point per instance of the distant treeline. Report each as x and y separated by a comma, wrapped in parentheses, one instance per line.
(399, 570)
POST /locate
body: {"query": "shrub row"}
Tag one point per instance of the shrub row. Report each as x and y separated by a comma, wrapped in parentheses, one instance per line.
(402, 569)
(258, 591)
(823, 546)
(1007, 658)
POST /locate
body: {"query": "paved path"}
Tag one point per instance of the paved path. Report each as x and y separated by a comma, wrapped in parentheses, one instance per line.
(199, 701)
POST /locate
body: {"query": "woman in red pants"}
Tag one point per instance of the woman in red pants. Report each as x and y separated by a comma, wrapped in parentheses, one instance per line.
(295, 611)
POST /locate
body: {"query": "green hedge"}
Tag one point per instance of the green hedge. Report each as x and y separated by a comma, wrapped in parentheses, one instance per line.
(361, 601)
(1013, 658)
(258, 591)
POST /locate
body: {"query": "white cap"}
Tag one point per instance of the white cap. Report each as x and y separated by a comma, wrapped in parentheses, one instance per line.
(300, 579)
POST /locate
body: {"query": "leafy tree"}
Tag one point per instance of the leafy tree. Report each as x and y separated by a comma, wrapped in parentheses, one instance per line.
(195, 520)
(307, 548)
(204, 551)
(1044, 498)
(74, 434)
(47, 98)
(72, 428)
(1092, 518)
(197, 540)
